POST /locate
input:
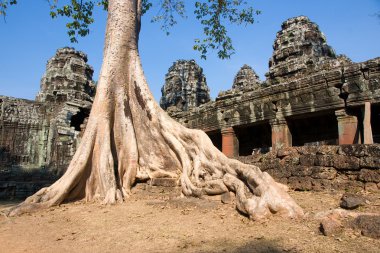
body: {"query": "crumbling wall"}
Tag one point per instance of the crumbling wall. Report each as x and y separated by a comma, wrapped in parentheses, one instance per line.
(23, 133)
(39, 138)
(345, 167)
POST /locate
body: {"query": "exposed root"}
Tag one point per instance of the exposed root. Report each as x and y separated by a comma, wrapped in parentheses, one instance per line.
(207, 171)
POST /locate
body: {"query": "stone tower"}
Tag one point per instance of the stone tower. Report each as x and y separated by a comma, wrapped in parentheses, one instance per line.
(67, 77)
(299, 48)
(185, 86)
(246, 78)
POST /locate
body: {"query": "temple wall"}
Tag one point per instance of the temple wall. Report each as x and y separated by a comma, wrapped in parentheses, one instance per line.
(39, 138)
(315, 93)
(346, 167)
(23, 132)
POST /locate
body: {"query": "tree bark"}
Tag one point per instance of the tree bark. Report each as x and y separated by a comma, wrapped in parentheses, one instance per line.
(129, 138)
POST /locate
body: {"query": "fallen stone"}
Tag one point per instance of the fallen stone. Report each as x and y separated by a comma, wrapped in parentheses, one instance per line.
(331, 226)
(368, 224)
(351, 201)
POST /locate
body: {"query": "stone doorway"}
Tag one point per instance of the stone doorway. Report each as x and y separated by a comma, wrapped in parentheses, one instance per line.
(78, 119)
(375, 123)
(254, 138)
(321, 129)
(216, 138)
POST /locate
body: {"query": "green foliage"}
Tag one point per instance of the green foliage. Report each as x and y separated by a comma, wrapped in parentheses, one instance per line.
(81, 15)
(213, 15)
(169, 11)
(4, 5)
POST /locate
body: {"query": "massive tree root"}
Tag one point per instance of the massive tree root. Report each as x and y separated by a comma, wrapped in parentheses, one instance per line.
(129, 138)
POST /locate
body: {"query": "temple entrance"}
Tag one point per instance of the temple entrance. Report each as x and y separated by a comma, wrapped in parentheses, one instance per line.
(320, 129)
(254, 138)
(216, 138)
(375, 123)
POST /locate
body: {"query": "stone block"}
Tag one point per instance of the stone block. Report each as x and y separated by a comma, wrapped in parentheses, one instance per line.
(370, 175)
(370, 162)
(323, 172)
(325, 160)
(291, 160)
(301, 171)
(331, 226)
(307, 160)
(373, 150)
(351, 201)
(369, 225)
(270, 163)
(353, 150)
(342, 162)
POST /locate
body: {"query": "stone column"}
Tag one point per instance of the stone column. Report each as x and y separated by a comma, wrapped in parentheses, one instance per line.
(230, 144)
(367, 129)
(281, 136)
(347, 128)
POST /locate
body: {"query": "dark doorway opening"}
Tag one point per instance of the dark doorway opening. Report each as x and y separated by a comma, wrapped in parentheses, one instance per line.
(77, 120)
(375, 123)
(319, 129)
(216, 138)
(254, 138)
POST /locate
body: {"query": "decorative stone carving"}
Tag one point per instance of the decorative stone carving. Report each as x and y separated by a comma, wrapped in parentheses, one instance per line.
(185, 86)
(39, 138)
(67, 77)
(300, 48)
(246, 78)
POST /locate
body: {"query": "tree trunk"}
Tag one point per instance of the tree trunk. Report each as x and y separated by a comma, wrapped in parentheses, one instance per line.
(129, 138)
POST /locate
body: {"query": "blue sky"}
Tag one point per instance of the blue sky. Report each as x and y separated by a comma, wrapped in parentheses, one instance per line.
(29, 37)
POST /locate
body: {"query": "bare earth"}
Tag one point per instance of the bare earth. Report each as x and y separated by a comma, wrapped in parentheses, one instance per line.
(155, 219)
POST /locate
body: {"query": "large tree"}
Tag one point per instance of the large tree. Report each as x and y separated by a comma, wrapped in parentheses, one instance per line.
(129, 138)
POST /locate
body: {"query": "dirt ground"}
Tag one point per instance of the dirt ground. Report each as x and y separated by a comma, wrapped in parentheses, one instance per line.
(155, 219)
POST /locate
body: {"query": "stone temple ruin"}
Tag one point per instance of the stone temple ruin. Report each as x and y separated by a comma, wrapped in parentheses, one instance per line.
(185, 87)
(38, 138)
(311, 98)
(313, 123)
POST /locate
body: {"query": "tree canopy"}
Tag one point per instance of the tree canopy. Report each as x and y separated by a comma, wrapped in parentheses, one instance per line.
(213, 15)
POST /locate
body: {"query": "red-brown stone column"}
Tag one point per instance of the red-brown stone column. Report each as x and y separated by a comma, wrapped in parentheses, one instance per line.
(367, 129)
(230, 144)
(347, 128)
(281, 136)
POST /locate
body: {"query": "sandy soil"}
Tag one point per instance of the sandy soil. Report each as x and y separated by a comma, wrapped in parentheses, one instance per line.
(155, 219)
